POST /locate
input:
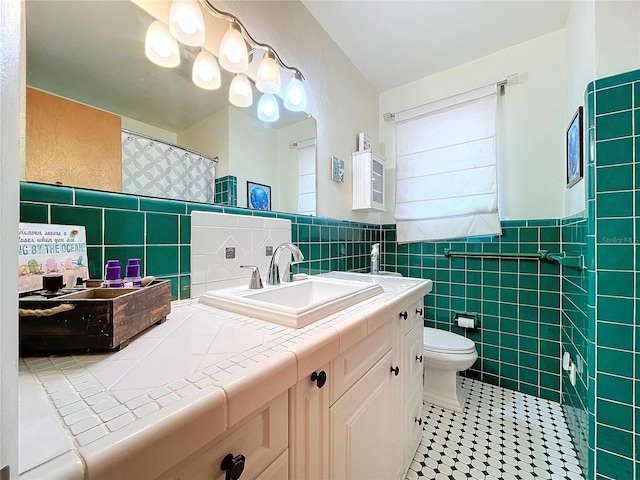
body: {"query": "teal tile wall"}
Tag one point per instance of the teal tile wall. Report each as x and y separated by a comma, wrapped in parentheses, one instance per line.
(613, 329)
(518, 301)
(226, 191)
(575, 334)
(158, 231)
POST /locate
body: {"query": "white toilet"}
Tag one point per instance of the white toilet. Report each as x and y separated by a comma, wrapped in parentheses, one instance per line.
(446, 354)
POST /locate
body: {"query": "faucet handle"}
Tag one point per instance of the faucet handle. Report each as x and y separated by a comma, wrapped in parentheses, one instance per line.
(255, 282)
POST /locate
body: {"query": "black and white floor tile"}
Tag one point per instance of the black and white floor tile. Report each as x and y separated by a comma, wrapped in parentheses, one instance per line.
(502, 434)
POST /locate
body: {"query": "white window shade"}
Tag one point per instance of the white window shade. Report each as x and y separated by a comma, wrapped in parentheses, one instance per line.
(446, 172)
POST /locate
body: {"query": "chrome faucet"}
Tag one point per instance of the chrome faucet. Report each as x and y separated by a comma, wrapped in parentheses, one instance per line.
(273, 277)
(255, 282)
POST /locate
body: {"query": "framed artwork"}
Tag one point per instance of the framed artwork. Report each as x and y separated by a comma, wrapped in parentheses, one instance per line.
(574, 149)
(258, 196)
(337, 169)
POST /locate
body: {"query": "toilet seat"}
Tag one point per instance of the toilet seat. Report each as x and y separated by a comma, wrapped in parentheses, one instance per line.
(441, 341)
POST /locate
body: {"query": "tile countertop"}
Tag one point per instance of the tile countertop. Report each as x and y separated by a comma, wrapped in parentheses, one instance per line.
(177, 385)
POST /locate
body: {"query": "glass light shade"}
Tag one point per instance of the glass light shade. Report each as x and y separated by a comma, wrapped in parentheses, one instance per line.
(268, 77)
(186, 23)
(268, 110)
(234, 56)
(206, 73)
(295, 97)
(160, 47)
(240, 92)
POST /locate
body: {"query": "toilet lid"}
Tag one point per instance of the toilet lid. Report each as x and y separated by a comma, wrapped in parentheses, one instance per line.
(443, 341)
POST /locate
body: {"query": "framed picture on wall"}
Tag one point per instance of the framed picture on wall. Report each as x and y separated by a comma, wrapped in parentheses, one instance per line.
(258, 196)
(574, 149)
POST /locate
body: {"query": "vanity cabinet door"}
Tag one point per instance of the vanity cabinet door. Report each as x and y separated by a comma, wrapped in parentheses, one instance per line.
(309, 427)
(362, 430)
(260, 438)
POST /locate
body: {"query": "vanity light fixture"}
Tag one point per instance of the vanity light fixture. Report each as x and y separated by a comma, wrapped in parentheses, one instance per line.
(237, 47)
(268, 77)
(206, 73)
(234, 56)
(160, 47)
(268, 109)
(186, 22)
(295, 96)
(240, 91)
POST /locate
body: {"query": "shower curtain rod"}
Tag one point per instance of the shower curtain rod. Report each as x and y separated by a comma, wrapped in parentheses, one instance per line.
(512, 79)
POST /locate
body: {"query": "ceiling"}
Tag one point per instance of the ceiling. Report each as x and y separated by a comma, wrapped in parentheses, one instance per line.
(393, 43)
(93, 51)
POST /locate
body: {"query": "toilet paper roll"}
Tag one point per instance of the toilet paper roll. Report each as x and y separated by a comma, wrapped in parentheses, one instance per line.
(466, 322)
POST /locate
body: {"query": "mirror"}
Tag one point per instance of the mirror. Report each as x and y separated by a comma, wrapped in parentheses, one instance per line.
(93, 53)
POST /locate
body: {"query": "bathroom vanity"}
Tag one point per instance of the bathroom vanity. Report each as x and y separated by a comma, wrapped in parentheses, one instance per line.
(339, 398)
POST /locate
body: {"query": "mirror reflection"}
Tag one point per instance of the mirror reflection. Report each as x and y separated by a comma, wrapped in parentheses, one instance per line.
(90, 86)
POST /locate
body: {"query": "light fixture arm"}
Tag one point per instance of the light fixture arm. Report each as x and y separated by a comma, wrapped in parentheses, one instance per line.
(245, 33)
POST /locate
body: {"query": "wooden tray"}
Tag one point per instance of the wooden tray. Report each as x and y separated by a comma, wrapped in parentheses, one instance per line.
(95, 319)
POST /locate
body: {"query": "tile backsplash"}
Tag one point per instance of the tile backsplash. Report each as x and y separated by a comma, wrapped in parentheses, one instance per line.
(221, 243)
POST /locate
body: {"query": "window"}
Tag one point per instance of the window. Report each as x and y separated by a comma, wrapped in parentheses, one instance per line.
(446, 171)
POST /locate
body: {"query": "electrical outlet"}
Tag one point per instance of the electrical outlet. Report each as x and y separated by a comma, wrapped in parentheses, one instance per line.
(229, 253)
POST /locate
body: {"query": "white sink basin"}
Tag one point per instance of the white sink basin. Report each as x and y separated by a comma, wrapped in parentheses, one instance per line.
(294, 304)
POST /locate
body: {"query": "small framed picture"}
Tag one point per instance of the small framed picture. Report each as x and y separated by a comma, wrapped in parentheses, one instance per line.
(337, 169)
(258, 196)
(574, 149)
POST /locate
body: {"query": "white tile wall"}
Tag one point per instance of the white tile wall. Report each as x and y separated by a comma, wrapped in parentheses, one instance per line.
(213, 233)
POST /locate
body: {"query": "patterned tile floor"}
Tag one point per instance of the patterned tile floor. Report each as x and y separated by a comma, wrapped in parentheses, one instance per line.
(502, 434)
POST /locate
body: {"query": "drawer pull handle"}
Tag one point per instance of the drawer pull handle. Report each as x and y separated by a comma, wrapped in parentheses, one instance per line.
(418, 421)
(419, 358)
(404, 315)
(395, 370)
(419, 311)
(320, 378)
(234, 466)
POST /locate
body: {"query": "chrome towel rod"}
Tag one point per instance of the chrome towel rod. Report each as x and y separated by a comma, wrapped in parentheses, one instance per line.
(561, 258)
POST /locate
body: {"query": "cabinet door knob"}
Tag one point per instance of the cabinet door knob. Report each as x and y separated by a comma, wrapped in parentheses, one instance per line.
(419, 358)
(395, 370)
(419, 311)
(418, 421)
(320, 378)
(404, 315)
(234, 466)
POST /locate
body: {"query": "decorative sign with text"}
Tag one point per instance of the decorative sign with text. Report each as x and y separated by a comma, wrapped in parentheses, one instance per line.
(45, 248)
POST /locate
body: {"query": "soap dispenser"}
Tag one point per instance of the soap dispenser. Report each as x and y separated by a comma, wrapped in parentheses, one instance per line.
(375, 259)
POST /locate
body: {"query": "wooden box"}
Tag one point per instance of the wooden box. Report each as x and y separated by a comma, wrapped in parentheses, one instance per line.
(95, 319)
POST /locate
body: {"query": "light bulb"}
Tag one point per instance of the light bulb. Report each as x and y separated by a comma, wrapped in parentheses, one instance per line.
(206, 73)
(160, 47)
(295, 97)
(268, 77)
(240, 92)
(268, 110)
(234, 56)
(186, 23)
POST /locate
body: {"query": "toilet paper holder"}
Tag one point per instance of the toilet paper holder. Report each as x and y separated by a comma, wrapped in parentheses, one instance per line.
(467, 321)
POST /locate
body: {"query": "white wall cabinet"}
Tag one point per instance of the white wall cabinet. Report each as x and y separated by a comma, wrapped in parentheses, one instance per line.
(368, 181)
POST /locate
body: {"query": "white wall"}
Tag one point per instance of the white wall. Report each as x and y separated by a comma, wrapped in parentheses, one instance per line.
(146, 129)
(253, 155)
(531, 123)
(617, 37)
(11, 95)
(288, 160)
(211, 138)
(581, 69)
(338, 96)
